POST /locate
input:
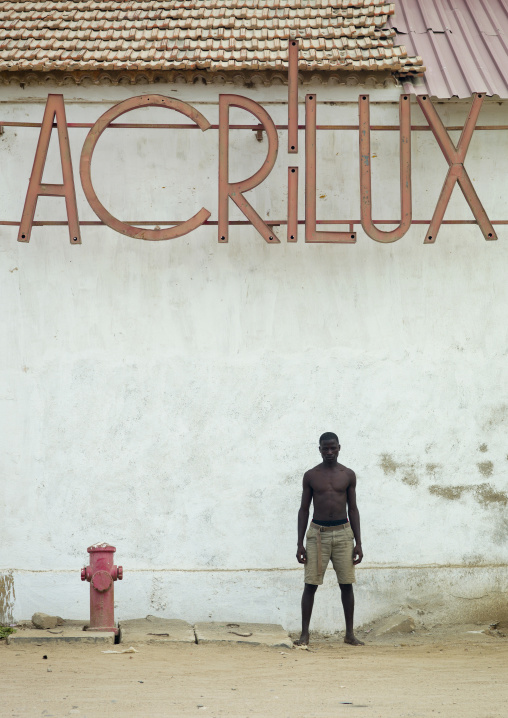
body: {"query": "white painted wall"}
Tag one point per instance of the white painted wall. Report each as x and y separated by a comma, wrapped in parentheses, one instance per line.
(167, 397)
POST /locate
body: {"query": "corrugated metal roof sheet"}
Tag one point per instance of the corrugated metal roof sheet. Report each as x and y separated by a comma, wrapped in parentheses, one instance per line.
(463, 43)
(215, 35)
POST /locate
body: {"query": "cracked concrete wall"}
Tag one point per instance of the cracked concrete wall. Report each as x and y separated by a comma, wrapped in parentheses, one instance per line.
(167, 397)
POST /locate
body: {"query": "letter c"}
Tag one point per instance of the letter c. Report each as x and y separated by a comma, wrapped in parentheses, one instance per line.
(85, 167)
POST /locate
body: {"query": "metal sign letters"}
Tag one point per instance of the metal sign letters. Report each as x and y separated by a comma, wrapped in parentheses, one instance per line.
(54, 116)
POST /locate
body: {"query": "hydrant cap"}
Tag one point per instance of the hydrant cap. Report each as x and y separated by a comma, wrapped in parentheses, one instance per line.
(101, 581)
(101, 547)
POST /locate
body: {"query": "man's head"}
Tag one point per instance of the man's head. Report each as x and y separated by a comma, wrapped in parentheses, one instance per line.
(329, 447)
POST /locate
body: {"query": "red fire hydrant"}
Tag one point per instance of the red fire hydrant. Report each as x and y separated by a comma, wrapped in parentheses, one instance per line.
(101, 573)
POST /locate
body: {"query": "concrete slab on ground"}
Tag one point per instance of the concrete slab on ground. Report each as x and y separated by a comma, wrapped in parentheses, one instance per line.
(156, 630)
(257, 634)
(61, 634)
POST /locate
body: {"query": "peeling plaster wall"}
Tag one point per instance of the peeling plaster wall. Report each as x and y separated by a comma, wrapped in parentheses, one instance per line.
(7, 596)
(167, 397)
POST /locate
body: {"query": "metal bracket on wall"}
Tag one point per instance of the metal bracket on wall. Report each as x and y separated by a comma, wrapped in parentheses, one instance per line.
(259, 134)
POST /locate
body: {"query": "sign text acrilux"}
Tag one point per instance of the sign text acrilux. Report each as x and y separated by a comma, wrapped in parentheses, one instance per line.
(455, 155)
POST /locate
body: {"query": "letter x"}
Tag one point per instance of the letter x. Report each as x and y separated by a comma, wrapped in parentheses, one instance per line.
(457, 173)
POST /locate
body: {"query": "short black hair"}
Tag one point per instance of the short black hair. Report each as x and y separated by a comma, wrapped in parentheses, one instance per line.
(328, 436)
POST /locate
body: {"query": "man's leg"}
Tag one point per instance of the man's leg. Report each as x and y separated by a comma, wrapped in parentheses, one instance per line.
(307, 605)
(348, 604)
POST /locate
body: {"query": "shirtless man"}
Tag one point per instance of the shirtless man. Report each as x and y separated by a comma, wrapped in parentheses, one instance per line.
(332, 487)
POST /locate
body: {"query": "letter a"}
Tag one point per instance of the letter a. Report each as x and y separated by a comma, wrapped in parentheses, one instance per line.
(54, 107)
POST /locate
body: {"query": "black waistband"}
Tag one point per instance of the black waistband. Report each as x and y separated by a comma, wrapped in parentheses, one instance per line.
(339, 522)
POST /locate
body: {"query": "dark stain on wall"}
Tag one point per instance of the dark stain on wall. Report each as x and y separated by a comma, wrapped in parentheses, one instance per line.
(410, 478)
(486, 468)
(498, 416)
(500, 531)
(388, 465)
(483, 447)
(452, 493)
(485, 494)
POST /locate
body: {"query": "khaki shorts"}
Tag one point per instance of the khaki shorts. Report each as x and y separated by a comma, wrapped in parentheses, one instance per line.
(329, 542)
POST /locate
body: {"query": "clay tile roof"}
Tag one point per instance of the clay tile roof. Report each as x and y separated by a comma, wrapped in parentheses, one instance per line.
(207, 35)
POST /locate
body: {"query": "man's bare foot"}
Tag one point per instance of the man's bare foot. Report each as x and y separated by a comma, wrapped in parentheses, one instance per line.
(303, 640)
(353, 641)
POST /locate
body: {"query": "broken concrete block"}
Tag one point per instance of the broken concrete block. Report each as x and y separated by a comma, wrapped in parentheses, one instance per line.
(42, 620)
(395, 624)
(65, 635)
(156, 630)
(257, 634)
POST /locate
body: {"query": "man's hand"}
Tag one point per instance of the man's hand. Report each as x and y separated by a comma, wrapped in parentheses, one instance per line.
(301, 555)
(357, 554)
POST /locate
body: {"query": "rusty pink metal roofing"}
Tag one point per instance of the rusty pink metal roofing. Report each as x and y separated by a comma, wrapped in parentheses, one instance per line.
(212, 35)
(463, 43)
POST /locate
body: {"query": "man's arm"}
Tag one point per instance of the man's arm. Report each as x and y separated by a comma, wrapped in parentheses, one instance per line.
(354, 518)
(303, 518)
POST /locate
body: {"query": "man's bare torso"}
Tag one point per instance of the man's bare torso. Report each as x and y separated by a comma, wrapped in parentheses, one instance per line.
(329, 487)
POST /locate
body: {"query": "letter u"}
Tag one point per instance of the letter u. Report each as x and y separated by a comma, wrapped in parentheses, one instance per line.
(366, 173)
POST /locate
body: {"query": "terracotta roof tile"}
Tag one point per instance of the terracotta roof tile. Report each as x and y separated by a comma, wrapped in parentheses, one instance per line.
(199, 34)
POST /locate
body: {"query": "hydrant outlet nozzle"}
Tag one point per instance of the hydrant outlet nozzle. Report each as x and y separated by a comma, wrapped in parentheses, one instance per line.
(83, 574)
(120, 572)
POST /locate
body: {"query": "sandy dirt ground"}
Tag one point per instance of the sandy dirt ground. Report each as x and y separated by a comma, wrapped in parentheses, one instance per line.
(449, 674)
